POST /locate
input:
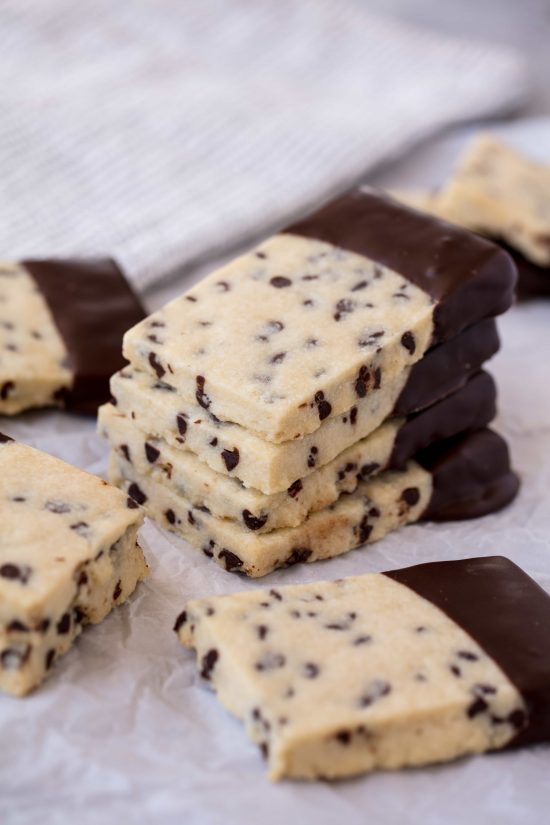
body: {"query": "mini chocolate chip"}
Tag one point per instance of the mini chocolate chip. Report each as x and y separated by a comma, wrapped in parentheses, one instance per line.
(359, 285)
(79, 615)
(483, 688)
(200, 395)
(262, 630)
(231, 458)
(323, 406)
(224, 286)
(232, 561)
(362, 381)
(6, 388)
(311, 670)
(261, 255)
(181, 423)
(420, 629)
(343, 307)
(156, 365)
(170, 516)
(58, 507)
(376, 690)
(362, 640)
(377, 379)
(151, 452)
(478, 706)
(275, 594)
(270, 661)
(64, 624)
(411, 496)
(117, 591)
(468, 655)
(312, 457)
(82, 578)
(44, 626)
(276, 359)
(137, 493)
(456, 671)
(125, 450)
(17, 627)
(343, 737)
(190, 518)
(298, 555)
(279, 281)
(368, 469)
(80, 527)
(180, 621)
(208, 661)
(365, 529)
(253, 522)
(16, 572)
(131, 504)
(295, 488)
(353, 416)
(50, 655)
(407, 340)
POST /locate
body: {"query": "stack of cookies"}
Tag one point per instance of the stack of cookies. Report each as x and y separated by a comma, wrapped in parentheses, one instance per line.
(498, 192)
(319, 391)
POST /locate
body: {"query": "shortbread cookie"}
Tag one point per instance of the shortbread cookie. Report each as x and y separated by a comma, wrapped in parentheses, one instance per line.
(156, 409)
(464, 477)
(382, 670)
(390, 446)
(499, 192)
(316, 318)
(68, 557)
(61, 327)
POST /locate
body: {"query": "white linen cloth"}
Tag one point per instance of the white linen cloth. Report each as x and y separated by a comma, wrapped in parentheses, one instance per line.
(166, 132)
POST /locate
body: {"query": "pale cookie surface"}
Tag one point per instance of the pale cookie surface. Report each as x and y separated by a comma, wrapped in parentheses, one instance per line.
(336, 678)
(34, 369)
(499, 192)
(376, 508)
(236, 451)
(286, 336)
(69, 554)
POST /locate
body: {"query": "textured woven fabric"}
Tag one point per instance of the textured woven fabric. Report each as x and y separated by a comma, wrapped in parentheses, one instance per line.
(163, 132)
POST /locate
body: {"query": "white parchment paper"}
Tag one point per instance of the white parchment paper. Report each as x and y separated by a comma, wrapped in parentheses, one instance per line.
(123, 732)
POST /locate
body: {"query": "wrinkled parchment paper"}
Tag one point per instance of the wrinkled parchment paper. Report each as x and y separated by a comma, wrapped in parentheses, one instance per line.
(123, 732)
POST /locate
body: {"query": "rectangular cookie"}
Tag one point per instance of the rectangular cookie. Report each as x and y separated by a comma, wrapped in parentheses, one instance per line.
(383, 670)
(69, 555)
(61, 327)
(500, 192)
(156, 408)
(464, 477)
(317, 317)
(390, 446)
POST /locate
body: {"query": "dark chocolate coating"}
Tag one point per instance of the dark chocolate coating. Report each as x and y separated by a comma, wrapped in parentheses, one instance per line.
(470, 408)
(507, 614)
(468, 277)
(533, 280)
(447, 367)
(471, 476)
(92, 305)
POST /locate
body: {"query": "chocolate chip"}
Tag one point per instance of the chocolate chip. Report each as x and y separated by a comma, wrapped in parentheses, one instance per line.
(456, 671)
(16, 572)
(156, 365)
(478, 706)
(180, 621)
(323, 406)
(43, 626)
(208, 661)
(224, 286)
(407, 340)
(48, 661)
(181, 423)
(312, 457)
(261, 255)
(231, 458)
(82, 578)
(17, 627)
(343, 307)
(359, 285)
(191, 298)
(362, 640)
(279, 281)
(170, 516)
(299, 555)
(232, 561)
(131, 504)
(343, 737)
(468, 655)
(262, 630)
(64, 624)
(411, 496)
(483, 689)
(81, 527)
(125, 450)
(362, 381)
(368, 469)
(276, 359)
(365, 529)
(117, 591)
(202, 398)
(376, 690)
(311, 670)
(377, 379)
(137, 493)
(270, 661)
(254, 522)
(6, 388)
(295, 488)
(214, 442)
(353, 416)
(151, 452)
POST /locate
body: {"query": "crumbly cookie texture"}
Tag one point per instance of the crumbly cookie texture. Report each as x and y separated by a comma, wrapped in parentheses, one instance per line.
(286, 336)
(68, 557)
(376, 507)
(34, 367)
(499, 192)
(337, 678)
(156, 408)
